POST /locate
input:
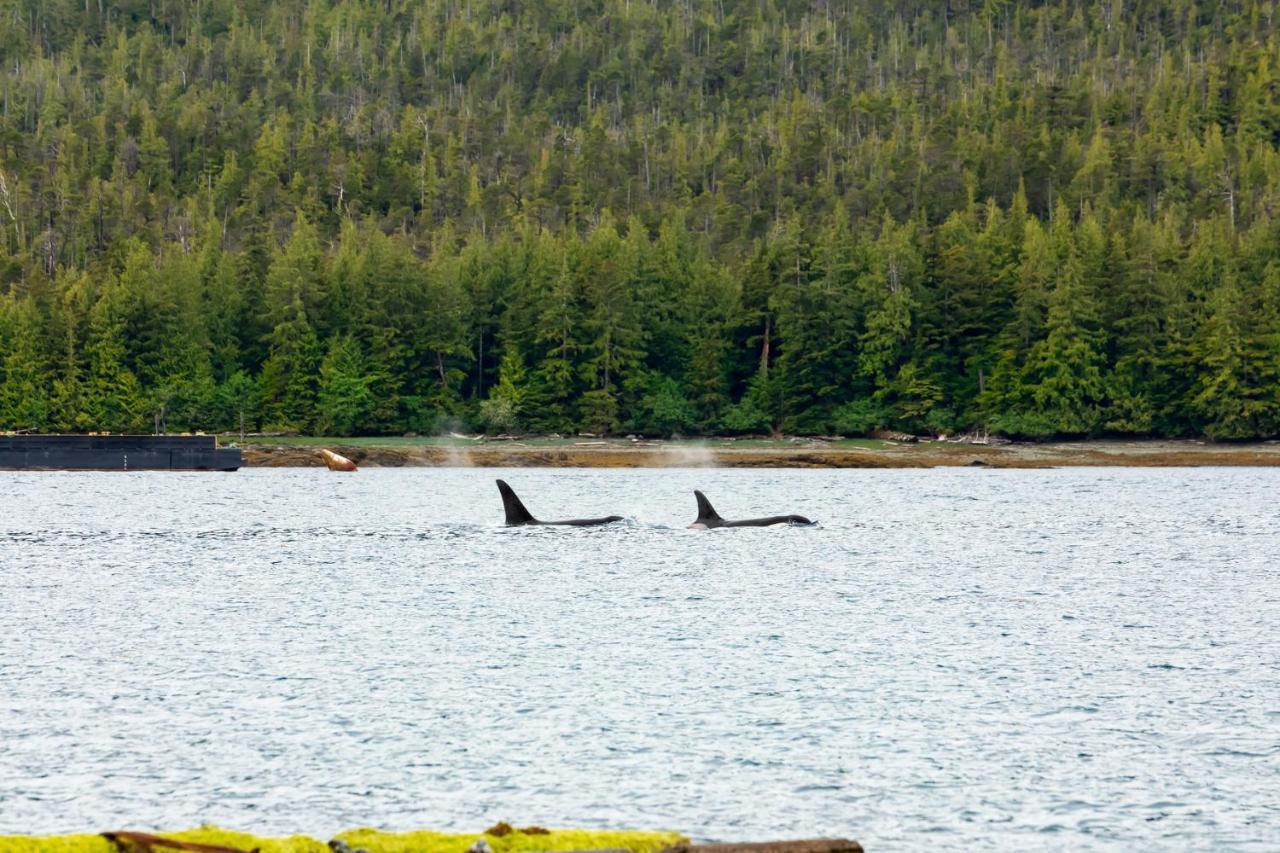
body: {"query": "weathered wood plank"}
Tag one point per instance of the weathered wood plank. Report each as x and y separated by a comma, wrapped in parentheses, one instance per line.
(146, 842)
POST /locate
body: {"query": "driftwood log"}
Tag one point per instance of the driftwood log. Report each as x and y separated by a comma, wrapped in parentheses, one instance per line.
(145, 842)
(891, 435)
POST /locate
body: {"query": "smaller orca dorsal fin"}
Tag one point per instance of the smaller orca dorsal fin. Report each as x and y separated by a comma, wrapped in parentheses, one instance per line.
(511, 505)
(706, 512)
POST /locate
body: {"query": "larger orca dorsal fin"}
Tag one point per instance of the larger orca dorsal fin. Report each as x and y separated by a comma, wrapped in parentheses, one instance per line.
(516, 513)
(706, 512)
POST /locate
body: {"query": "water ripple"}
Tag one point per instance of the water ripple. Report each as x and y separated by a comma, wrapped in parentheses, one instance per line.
(959, 659)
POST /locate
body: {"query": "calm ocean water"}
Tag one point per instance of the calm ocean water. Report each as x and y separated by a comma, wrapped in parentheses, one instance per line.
(951, 658)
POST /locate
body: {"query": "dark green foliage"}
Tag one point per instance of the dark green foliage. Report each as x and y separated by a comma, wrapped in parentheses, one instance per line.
(345, 397)
(24, 394)
(665, 410)
(1043, 219)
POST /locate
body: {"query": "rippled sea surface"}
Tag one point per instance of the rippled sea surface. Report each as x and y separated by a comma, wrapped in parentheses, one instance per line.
(951, 658)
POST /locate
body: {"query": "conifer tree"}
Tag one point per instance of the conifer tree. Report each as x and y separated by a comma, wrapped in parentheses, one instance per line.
(503, 410)
(344, 398)
(1063, 374)
(114, 400)
(289, 379)
(613, 333)
(24, 395)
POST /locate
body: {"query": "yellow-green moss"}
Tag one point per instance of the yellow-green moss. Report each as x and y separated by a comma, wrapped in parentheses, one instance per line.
(373, 840)
(203, 835)
(245, 841)
(56, 844)
(426, 841)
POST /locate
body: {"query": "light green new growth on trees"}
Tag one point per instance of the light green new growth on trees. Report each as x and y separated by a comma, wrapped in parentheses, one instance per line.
(711, 217)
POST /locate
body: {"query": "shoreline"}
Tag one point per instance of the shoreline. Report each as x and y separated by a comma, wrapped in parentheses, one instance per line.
(794, 453)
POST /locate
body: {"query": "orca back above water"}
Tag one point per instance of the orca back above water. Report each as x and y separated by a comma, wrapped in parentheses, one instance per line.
(518, 516)
(708, 518)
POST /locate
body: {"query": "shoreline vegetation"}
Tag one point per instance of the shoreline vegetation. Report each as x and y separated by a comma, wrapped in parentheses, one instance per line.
(500, 838)
(1037, 219)
(588, 452)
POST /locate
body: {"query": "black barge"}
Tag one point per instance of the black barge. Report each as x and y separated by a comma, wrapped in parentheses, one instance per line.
(116, 453)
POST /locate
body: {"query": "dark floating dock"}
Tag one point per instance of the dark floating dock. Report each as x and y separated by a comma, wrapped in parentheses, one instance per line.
(116, 453)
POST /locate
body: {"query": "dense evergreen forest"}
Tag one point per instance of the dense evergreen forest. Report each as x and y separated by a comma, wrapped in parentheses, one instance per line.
(703, 216)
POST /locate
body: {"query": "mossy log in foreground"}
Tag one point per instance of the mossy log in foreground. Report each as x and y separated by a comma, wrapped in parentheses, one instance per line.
(371, 840)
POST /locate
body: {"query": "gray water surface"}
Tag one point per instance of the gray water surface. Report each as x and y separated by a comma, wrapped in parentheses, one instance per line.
(951, 658)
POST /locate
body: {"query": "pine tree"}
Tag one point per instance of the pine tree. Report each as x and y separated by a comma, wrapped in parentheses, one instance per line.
(1236, 392)
(24, 396)
(67, 403)
(237, 401)
(613, 332)
(114, 400)
(559, 335)
(1007, 401)
(503, 409)
(816, 298)
(1064, 370)
(288, 382)
(345, 397)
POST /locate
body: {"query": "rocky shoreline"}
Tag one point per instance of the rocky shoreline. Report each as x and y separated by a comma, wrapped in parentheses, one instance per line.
(799, 453)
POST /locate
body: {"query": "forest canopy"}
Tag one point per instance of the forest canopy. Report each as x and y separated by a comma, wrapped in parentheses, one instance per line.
(382, 216)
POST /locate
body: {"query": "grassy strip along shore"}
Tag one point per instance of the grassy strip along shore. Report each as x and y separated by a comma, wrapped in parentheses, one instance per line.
(750, 453)
(499, 839)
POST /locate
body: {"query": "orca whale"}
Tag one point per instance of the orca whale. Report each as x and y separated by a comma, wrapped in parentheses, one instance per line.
(518, 516)
(708, 518)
